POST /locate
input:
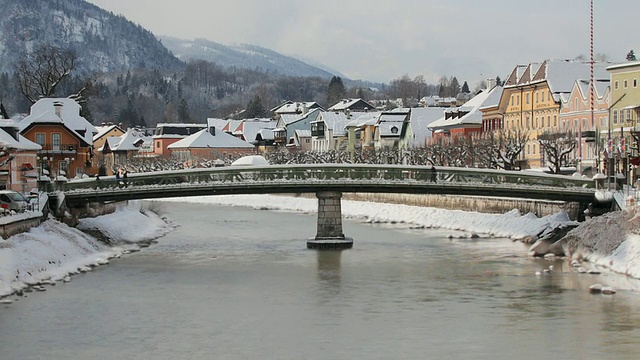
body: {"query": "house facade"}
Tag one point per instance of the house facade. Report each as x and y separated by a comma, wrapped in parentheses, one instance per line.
(531, 100)
(65, 137)
(167, 134)
(210, 145)
(18, 159)
(576, 118)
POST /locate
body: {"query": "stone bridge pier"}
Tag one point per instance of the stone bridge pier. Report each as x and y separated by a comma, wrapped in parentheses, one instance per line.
(329, 233)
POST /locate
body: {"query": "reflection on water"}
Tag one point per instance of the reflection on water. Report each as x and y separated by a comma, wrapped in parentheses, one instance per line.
(236, 283)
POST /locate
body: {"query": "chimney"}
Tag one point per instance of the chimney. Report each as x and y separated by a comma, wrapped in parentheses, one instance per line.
(57, 106)
(491, 83)
(212, 130)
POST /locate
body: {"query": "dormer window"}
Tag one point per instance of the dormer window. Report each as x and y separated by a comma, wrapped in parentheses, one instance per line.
(394, 129)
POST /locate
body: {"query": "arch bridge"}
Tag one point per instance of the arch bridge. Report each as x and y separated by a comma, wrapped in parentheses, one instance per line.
(328, 181)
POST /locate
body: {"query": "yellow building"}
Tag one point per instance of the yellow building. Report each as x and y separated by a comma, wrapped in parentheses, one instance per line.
(531, 100)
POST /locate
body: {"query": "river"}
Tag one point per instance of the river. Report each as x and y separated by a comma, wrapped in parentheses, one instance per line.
(238, 283)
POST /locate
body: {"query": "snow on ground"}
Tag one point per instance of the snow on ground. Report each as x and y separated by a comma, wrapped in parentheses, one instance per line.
(54, 250)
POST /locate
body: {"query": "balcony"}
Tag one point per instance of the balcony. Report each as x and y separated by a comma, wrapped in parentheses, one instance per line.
(59, 148)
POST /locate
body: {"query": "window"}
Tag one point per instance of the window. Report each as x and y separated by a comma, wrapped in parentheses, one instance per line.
(555, 120)
(635, 83)
(537, 97)
(55, 141)
(615, 85)
(624, 84)
(40, 139)
(394, 130)
(615, 116)
(512, 99)
(527, 98)
(157, 144)
(622, 112)
(548, 120)
(629, 117)
(518, 99)
(549, 96)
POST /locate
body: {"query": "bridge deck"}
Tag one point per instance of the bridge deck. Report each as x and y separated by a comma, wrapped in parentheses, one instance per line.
(330, 177)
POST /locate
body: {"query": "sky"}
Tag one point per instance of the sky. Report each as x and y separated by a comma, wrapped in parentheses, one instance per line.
(381, 40)
(53, 250)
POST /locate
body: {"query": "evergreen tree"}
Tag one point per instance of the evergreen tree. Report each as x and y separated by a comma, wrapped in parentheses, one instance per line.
(255, 109)
(465, 88)
(3, 112)
(184, 115)
(499, 81)
(336, 91)
(454, 87)
(631, 56)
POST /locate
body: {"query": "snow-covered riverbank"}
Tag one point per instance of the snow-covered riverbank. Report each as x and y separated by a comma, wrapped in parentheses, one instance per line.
(53, 250)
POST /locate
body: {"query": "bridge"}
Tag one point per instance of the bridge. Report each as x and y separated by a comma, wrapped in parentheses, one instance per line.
(328, 181)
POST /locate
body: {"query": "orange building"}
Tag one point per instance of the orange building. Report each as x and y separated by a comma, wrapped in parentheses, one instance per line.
(66, 137)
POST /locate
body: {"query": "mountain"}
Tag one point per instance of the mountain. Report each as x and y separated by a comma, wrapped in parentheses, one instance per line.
(104, 42)
(243, 55)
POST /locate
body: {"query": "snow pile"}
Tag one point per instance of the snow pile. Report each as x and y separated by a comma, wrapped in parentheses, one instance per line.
(611, 240)
(54, 250)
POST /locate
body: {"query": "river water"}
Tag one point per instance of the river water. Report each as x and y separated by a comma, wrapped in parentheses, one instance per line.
(238, 283)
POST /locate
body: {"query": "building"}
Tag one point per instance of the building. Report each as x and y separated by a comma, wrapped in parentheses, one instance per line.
(65, 137)
(18, 159)
(167, 134)
(466, 120)
(531, 100)
(210, 145)
(352, 105)
(588, 128)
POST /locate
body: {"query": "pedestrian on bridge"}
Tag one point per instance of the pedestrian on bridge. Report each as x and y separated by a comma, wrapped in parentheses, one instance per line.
(434, 174)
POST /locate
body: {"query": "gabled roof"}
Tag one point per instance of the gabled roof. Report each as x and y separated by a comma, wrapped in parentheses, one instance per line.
(291, 107)
(469, 113)
(335, 121)
(44, 112)
(129, 141)
(204, 139)
(6, 140)
(346, 104)
(559, 74)
(251, 127)
(421, 118)
(104, 130)
(387, 121)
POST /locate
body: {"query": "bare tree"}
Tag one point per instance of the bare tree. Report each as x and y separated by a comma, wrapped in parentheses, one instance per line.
(41, 71)
(556, 147)
(510, 144)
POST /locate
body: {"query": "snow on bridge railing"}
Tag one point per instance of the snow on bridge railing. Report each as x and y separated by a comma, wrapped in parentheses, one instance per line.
(363, 173)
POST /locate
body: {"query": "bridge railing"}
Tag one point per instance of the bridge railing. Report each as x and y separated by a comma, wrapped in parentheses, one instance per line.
(361, 173)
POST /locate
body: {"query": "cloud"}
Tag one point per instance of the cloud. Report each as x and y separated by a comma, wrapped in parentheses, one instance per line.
(381, 40)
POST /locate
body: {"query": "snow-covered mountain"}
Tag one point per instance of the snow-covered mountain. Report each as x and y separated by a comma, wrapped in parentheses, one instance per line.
(243, 55)
(104, 42)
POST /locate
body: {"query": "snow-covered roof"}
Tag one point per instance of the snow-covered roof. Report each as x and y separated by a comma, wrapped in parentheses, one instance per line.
(216, 123)
(559, 74)
(103, 130)
(336, 121)
(204, 139)
(21, 144)
(469, 112)
(391, 123)
(295, 107)
(129, 141)
(251, 127)
(302, 133)
(345, 104)
(46, 111)
(421, 118)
